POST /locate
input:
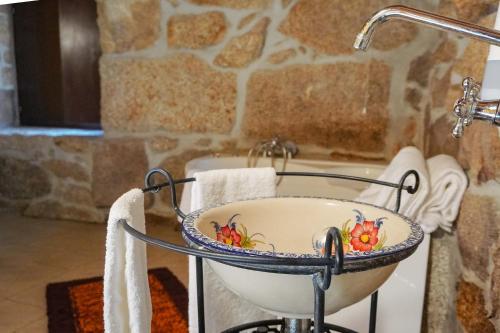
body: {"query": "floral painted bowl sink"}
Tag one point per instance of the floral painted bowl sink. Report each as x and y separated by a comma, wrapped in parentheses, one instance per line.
(374, 241)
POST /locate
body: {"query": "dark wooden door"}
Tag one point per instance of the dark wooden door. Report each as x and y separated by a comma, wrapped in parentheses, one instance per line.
(57, 52)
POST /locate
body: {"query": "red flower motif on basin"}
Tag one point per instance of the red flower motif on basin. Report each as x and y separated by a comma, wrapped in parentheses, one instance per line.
(363, 237)
(229, 235)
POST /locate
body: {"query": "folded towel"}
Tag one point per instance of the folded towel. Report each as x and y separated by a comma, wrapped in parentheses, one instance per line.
(448, 185)
(127, 302)
(212, 187)
(408, 158)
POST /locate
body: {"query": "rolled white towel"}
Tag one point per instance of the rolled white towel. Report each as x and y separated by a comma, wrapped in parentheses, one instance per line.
(448, 185)
(407, 158)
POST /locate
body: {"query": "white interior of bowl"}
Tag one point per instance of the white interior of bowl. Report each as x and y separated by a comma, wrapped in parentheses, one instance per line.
(289, 224)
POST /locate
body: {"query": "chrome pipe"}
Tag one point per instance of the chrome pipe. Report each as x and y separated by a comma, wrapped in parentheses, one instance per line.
(488, 111)
(426, 18)
(297, 325)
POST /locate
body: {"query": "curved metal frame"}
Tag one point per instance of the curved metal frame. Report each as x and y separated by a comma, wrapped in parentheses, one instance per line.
(321, 279)
(151, 187)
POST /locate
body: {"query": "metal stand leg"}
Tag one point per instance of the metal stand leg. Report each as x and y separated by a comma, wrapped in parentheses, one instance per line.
(373, 312)
(200, 295)
(319, 304)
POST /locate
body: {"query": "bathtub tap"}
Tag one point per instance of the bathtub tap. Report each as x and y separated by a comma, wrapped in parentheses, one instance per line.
(468, 107)
(275, 147)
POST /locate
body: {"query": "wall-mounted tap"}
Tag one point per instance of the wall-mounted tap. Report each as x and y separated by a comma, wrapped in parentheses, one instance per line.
(468, 107)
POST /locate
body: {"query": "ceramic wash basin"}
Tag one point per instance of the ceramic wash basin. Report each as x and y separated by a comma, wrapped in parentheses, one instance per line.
(374, 241)
(402, 292)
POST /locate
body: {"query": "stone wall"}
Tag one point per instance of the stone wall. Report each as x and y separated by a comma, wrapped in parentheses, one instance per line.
(465, 269)
(183, 79)
(241, 71)
(8, 98)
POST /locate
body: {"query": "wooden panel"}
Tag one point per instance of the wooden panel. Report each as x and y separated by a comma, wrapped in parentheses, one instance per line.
(38, 62)
(57, 52)
(80, 51)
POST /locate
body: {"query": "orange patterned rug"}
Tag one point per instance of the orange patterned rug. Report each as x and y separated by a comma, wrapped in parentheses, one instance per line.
(76, 306)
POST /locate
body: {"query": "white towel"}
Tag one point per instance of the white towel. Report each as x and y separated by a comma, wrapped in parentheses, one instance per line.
(448, 185)
(212, 187)
(127, 302)
(408, 158)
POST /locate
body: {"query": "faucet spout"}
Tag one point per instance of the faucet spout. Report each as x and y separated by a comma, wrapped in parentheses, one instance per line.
(426, 18)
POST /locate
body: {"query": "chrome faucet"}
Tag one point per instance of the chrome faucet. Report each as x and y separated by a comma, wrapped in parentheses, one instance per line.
(275, 147)
(468, 107)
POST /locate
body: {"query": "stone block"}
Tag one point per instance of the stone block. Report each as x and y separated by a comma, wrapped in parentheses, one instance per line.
(246, 20)
(161, 144)
(22, 180)
(52, 209)
(420, 69)
(442, 276)
(439, 87)
(180, 93)
(242, 50)
(422, 66)
(7, 77)
(5, 32)
(440, 139)
(475, 54)
(330, 26)
(495, 286)
(236, 4)
(119, 165)
(8, 57)
(480, 150)
(472, 10)
(12, 206)
(74, 194)
(33, 147)
(196, 31)
(477, 231)
(308, 104)
(447, 51)
(74, 144)
(128, 25)
(414, 97)
(65, 169)
(470, 309)
(7, 108)
(203, 142)
(281, 56)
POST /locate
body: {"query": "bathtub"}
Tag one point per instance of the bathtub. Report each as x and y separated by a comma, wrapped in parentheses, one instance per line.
(403, 293)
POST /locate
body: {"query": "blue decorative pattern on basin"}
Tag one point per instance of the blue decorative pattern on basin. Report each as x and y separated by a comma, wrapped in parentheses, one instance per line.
(353, 260)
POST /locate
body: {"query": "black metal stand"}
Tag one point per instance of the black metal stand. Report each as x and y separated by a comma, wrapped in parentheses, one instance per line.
(322, 268)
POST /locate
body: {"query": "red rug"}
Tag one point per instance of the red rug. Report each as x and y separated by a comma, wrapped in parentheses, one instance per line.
(76, 306)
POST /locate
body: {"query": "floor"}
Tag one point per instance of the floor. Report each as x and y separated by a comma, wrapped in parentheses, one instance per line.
(35, 252)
